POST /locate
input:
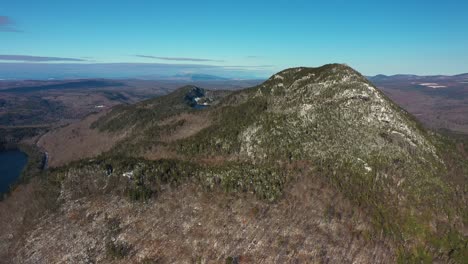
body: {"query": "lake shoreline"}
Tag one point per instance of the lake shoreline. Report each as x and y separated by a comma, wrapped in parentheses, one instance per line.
(13, 163)
(36, 163)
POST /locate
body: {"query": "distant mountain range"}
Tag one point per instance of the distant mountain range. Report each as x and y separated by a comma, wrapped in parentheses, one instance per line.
(407, 77)
(199, 77)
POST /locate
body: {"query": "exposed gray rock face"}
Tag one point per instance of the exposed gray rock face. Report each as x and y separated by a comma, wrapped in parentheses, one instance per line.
(332, 115)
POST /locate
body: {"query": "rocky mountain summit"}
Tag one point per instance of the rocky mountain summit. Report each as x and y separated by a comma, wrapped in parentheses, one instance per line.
(313, 165)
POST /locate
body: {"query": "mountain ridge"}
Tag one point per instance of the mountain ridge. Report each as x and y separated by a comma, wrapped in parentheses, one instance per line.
(357, 130)
(328, 125)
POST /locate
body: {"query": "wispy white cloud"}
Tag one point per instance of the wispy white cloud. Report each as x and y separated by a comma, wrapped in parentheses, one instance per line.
(7, 25)
(28, 58)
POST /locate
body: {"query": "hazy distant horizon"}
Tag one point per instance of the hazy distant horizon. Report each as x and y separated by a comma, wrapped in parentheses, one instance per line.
(143, 71)
(234, 39)
(42, 71)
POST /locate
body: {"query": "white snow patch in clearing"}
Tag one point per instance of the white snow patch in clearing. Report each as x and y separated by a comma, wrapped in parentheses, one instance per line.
(346, 78)
(404, 137)
(277, 76)
(375, 92)
(304, 109)
(305, 78)
(400, 182)
(433, 85)
(366, 166)
(128, 174)
(353, 93)
(249, 138)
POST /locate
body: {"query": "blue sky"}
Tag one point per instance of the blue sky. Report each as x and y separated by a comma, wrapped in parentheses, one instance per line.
(240, 38)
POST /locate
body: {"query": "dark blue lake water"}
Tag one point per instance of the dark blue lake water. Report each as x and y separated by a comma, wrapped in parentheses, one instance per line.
(12, 163)
(198, 106)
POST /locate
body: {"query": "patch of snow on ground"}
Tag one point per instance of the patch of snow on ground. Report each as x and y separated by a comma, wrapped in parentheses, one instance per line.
(375, 92)
(428, 84)
(277, 76)
(305, 108)
(433, 85)
(128, 174)
(346, 78)
(249, 138)
(405, 137)
(366, 166)
(307, 77)
(353, 93)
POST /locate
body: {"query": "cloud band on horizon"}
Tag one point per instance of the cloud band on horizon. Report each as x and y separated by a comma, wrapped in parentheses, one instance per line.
(72, 70)
(178, 58)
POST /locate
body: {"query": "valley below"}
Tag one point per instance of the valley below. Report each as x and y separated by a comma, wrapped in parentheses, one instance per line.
(30, 108)
(439, 102)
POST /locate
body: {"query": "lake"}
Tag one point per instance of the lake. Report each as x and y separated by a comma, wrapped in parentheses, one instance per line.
(12, 163)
